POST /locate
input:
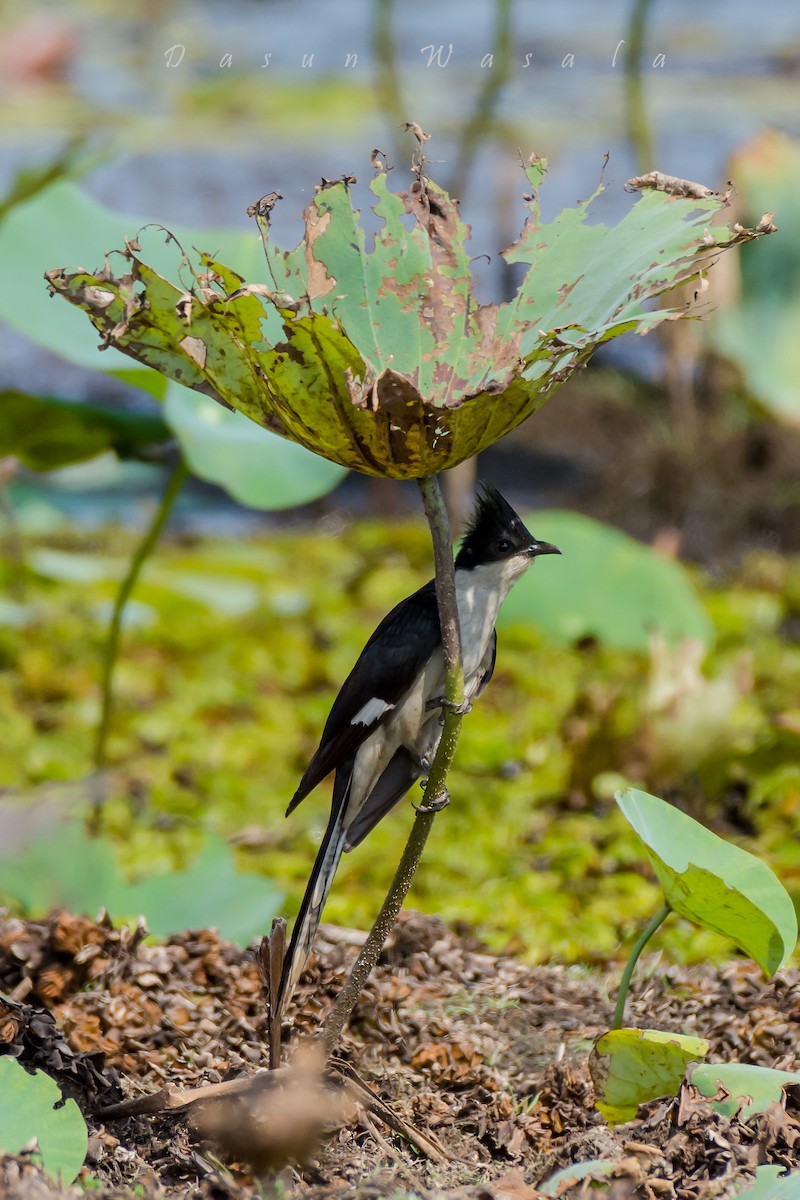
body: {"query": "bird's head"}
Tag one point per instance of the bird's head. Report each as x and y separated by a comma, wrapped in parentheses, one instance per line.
(496, 534)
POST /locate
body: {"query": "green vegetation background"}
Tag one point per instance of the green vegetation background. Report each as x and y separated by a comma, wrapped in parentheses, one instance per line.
(221, 698)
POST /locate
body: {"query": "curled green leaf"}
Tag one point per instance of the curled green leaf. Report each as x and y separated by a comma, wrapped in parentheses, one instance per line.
(631, 1066)
(713, 883)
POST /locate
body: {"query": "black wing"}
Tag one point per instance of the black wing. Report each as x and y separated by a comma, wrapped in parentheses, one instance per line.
(393, 784)
(386, 668)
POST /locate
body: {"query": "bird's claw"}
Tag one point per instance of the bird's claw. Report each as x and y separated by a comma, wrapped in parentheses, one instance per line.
(459, 708)
(437, 804)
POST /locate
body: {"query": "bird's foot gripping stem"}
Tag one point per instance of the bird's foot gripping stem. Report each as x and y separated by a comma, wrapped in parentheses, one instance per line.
(437, 804)
(460, 709)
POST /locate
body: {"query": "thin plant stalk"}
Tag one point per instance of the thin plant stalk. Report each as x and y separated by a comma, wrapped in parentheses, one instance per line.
(481, 123)
(387, 76)
(435, 795)
(624, 983)
(636, 111)
(113, 637)
(12, 549)
(681, 353)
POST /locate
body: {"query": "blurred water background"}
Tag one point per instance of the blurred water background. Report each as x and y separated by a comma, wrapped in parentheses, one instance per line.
(191, 111)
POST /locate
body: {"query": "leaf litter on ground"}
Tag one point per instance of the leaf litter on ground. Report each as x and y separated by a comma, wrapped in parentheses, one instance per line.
(486, 1055)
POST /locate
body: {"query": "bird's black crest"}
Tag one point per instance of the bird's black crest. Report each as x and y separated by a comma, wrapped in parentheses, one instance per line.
(495, 532)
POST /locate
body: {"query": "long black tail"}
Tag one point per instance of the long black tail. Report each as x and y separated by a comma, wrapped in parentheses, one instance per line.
(316, 893)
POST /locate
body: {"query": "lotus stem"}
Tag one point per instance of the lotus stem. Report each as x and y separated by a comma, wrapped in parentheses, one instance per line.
(435, 793)
(641, 942)
(112, 643)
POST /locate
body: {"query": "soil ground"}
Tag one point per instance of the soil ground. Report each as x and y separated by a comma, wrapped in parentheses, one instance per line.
(485, 1056)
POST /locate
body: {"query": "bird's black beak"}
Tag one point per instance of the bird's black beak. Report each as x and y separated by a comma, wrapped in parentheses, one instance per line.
(542, 548)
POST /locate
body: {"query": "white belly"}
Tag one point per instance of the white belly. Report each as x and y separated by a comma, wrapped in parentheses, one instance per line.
(479, 594)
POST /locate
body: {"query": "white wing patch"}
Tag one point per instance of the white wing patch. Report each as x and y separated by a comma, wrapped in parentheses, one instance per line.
(372, 711)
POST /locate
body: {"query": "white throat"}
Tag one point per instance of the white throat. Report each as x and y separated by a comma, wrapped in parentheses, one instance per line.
(479, 594)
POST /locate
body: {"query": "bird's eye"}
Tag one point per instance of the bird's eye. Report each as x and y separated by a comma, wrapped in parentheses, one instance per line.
(503, 546)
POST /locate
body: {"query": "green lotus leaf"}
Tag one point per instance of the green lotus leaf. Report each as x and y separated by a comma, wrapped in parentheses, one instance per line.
(758, 332)
(631, 1066)
(44, 432)
(381, 359)
(66, 868)
(574, 1173)
(32, 1108)
(634, 592)
(772, 1183)
(743, 1088)
(713, 883)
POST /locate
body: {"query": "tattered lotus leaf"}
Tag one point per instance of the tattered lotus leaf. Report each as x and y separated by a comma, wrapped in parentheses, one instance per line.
(382, 360)
(743, 1088)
